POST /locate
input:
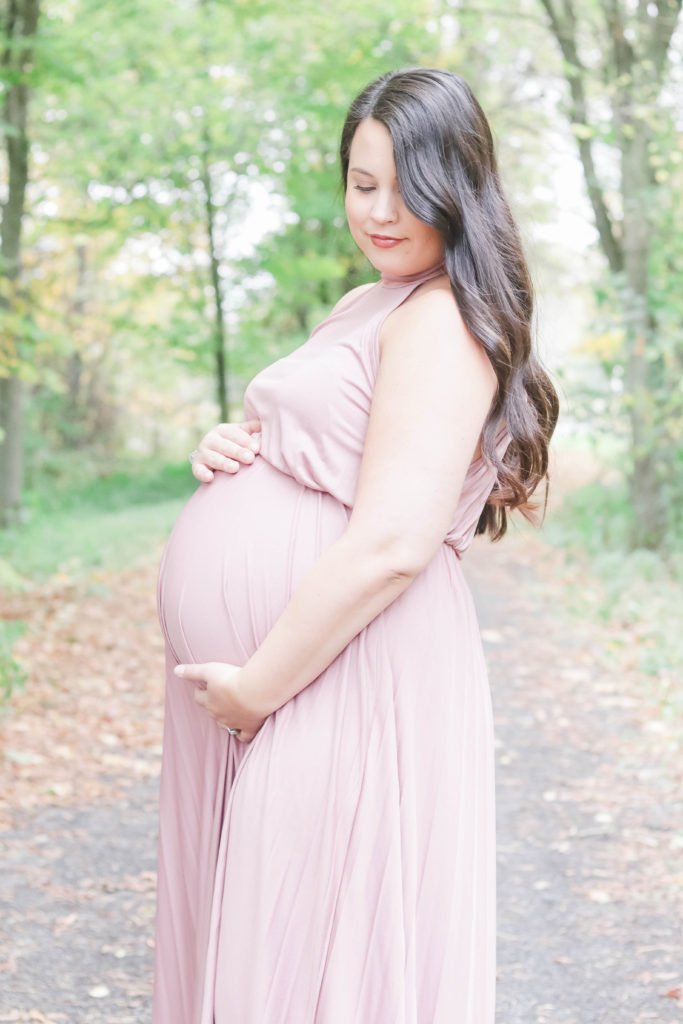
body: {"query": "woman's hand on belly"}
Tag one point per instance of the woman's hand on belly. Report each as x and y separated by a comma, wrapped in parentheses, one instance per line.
(218, 692)
(225, 448)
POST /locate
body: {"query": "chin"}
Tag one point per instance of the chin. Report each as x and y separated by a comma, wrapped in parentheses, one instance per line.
(386, 259)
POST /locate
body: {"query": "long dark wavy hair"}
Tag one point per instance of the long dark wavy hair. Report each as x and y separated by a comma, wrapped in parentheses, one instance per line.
(448, 177)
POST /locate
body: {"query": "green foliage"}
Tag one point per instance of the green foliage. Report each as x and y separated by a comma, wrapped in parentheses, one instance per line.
(75, 521)
(638, 591)
(12, 675)
(115, 313)
(622, 98)
(603, 398)
(132, 102)
(595, 518)
(601, 401)
(79, 518)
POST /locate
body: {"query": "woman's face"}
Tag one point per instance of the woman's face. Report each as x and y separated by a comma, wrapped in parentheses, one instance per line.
(393, 239)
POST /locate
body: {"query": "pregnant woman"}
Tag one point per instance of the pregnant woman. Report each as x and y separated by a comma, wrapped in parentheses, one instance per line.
(327, 829)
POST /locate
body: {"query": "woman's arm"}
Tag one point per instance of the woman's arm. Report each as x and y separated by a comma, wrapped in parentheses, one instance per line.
(434, 382)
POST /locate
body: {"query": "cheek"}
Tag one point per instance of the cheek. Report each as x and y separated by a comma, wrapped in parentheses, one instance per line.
(431, 238)
(353, 214)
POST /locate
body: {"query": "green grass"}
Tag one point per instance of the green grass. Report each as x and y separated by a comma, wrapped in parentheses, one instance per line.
(12, 675)
(596, 517)
(82, 517)
(639, 591)
(113, 518)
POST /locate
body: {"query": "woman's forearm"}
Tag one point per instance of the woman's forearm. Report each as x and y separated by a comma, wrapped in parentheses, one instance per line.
(343, 591)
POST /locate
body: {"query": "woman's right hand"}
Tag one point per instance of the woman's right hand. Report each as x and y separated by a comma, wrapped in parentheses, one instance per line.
(225, 448)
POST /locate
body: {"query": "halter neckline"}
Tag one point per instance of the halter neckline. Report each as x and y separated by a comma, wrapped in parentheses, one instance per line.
(401, 280)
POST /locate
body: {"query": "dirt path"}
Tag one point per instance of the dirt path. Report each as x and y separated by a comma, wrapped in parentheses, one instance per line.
(590, 809)
(78, 805)
(590, 812)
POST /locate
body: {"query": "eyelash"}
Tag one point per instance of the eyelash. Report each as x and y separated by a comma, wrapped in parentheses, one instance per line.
(366, 188)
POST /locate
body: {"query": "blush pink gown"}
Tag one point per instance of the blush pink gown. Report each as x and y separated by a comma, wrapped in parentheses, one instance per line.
(339, 869)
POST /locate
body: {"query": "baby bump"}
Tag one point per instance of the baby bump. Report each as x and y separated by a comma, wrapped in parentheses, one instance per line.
(237, 551)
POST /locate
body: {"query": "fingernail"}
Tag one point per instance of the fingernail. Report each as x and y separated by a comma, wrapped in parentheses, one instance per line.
(179, 670)
(254, 445)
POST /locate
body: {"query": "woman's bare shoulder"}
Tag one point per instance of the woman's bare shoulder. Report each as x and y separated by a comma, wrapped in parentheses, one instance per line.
(432, 303)
(436, 292)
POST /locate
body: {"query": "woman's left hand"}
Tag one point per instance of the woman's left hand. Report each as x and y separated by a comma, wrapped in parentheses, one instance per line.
(219, 693)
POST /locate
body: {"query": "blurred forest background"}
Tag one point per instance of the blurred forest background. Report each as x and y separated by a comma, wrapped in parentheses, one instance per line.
(172, 221)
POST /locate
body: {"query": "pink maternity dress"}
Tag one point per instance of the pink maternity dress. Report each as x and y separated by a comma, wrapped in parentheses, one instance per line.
(339, 869)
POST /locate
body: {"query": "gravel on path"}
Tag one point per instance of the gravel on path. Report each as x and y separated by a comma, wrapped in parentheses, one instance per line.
(589, 811)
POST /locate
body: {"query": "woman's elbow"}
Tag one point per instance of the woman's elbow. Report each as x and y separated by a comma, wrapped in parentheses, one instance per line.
(406, 560)
(394, 560)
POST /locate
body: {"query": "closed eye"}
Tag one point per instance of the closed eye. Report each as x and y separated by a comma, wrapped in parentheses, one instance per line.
(364, 188)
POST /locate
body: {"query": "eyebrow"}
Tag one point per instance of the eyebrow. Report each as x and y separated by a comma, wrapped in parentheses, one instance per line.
(368, 174)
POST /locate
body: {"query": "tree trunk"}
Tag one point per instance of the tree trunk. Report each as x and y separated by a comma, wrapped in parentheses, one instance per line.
(219, 322)
(634, 70)
(11, 468)
(72, 431)
(21, 21)
(645, 486)
(219, 340)
(563, 26)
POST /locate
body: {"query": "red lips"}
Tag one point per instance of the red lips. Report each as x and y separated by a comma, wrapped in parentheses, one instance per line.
(385, 241)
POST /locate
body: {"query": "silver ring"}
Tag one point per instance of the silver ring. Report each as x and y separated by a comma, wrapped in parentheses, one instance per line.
(233, 732)
(192, 455)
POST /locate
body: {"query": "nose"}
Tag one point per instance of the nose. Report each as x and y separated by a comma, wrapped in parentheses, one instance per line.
(385, 207)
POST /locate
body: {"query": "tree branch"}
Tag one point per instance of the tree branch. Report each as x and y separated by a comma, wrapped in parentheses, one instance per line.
(495, 12)
(624, 55)
(663, 28)
(564, 30)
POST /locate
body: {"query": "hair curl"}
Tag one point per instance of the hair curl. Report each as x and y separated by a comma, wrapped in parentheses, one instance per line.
(448, 177)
